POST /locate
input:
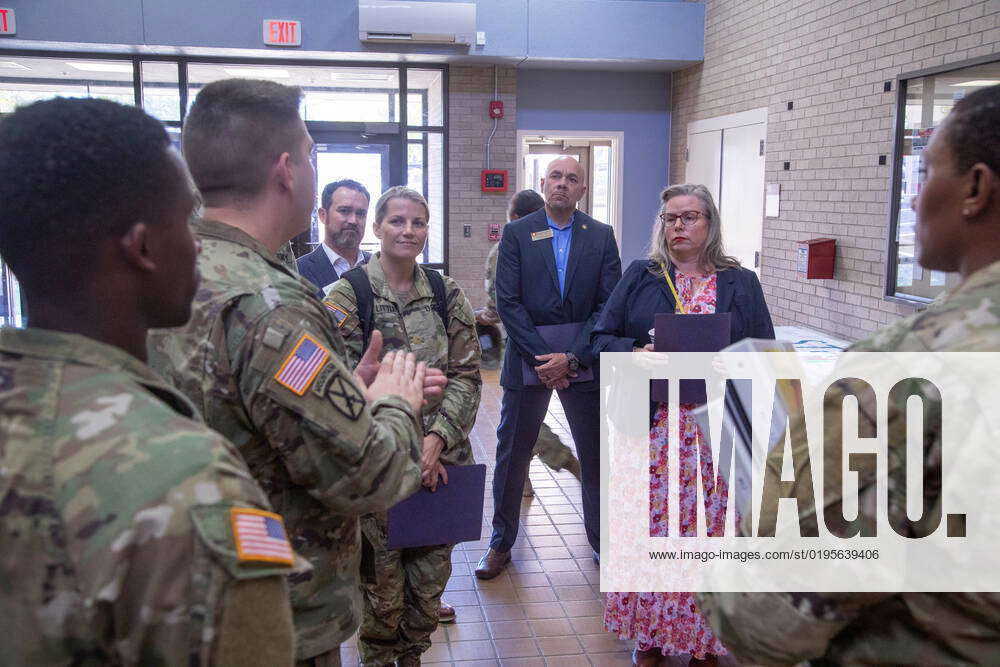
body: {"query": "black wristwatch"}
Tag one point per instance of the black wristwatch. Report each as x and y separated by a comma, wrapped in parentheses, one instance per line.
(574, 363)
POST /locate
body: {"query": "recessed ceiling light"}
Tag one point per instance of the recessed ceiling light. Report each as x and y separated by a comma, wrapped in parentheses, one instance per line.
(978, 83)
(261, 73)
(8, 64)
(125, 68)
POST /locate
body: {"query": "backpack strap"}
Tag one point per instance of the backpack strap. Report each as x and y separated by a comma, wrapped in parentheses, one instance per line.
(440, 298)
(362, 286)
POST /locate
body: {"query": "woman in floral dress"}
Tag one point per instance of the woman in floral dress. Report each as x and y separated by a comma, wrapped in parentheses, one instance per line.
(686, 258)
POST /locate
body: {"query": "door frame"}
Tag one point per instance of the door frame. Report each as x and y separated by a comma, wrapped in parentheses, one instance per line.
(617, 140)
(729, 121)
(721, 124)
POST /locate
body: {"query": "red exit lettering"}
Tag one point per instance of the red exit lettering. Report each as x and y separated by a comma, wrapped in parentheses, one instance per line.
(282, 33)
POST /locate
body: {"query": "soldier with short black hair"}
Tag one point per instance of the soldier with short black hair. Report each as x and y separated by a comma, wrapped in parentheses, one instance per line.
(128, 528)
(958, 230)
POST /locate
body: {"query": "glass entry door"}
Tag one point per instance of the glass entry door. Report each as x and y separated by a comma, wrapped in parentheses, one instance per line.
(374, 159)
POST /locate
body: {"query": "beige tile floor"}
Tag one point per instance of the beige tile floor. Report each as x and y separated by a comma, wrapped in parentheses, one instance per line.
(546, 608)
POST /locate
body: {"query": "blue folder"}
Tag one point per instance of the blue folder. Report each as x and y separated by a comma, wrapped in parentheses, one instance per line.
(452, 514)
(559, 338)
(691, 332)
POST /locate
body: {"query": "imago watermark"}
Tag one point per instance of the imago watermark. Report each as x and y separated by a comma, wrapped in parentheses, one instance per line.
(873, 472)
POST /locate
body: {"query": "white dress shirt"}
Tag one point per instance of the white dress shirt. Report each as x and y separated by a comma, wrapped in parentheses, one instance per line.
(340, 264)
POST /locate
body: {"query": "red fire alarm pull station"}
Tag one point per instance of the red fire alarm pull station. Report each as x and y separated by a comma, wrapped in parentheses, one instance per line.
(496, 109)
(494, 180)
(816, 258)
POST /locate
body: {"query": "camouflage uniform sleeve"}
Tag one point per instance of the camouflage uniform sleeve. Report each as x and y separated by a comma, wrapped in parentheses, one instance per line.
(781, 628)
(146, 524)
(787, 628)
(354, 458)
(491, 284)
(342, 305)
(456, 414)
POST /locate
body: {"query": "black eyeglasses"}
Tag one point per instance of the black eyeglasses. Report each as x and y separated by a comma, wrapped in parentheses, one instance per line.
(687, 218)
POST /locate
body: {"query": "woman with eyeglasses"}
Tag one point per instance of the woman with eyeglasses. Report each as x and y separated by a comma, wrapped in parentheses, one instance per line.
(686, 271)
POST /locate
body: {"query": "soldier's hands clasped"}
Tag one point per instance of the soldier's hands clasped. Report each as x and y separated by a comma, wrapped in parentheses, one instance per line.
(399, 375)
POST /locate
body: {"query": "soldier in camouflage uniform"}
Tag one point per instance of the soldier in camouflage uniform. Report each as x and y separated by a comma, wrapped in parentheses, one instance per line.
(261, 359)
(401, 606)
(548, 447)
(958, 229)
(115, 504)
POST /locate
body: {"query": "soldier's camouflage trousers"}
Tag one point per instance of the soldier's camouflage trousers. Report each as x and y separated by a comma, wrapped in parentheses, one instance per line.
(401, 606)
(552, 452)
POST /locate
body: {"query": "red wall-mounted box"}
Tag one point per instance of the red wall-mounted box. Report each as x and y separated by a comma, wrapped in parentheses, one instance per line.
(494, 180)
(815, 259)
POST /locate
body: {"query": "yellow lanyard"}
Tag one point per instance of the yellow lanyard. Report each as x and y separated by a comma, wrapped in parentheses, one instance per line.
(678, 306)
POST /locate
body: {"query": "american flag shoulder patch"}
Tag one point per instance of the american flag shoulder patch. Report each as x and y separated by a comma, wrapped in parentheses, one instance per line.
(300, 367)
(339, 314)
(260, 536)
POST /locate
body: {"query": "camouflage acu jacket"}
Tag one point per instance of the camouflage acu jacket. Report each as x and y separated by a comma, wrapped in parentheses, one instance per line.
(115, 546)
(880, 628)
(490, 284)
(416, 327)
(260, 358)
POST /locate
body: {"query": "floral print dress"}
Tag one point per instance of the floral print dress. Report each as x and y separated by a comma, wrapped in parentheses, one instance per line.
(671, 621)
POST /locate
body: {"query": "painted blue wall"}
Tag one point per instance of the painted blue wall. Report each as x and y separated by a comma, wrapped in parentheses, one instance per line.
(636, 103)
(663, 34)
(617, 30)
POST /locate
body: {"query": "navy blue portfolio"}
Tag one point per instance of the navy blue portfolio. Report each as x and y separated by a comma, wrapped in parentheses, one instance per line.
(452, 514)
(701, 332)
(559, 338)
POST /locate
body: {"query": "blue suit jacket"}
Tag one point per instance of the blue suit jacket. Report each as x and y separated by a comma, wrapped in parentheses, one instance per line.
(317, 269)
(528, 290)
(628, 315)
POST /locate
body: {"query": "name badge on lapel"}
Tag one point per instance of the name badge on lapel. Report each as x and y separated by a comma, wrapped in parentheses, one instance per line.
(538, 236)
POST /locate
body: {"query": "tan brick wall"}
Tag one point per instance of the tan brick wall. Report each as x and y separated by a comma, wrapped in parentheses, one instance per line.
(831, 58)
(470, 90)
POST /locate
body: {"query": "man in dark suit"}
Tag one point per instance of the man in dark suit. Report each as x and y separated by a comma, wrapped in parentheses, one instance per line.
(342, 212)
(556, 266)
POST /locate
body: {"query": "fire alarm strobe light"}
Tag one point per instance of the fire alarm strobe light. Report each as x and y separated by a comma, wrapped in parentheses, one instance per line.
(496, 109)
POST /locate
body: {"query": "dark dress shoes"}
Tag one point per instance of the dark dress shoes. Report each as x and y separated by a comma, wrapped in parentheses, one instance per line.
(492, 563)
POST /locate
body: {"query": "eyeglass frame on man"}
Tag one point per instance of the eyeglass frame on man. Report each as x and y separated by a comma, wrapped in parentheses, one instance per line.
(685, 222)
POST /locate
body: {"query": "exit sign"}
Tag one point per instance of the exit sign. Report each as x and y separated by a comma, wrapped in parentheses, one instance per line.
(7, 24)
(282, 33)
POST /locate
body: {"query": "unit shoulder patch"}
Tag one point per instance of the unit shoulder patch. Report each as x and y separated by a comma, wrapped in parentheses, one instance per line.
(345, 396)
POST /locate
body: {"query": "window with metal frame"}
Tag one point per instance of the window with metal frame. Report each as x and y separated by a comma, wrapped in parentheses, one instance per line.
(924, 98)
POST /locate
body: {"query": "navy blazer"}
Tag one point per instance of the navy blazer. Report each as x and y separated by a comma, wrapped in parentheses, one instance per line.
(628, 315)
(317, 269)
(528, 290)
